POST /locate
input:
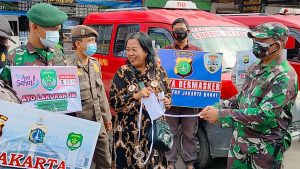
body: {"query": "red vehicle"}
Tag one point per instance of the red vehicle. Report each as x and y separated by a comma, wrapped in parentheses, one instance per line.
(208, 31)
(293, 44)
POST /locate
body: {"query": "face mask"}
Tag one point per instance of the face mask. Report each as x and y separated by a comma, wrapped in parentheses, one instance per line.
(52, 38)
(261, 50)
(180, 34)
(91, 49)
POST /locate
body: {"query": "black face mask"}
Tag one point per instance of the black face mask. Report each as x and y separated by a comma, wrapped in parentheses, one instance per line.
(261, 50)
(3, 56)
(179, 35)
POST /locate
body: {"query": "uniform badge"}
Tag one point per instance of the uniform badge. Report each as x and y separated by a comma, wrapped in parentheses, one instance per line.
(3, 57)
(132, 88)
(3, 119)
(38, 132)
(74, 141)
(96, 68)
(79, 72)
(82, 32)
(154, 84)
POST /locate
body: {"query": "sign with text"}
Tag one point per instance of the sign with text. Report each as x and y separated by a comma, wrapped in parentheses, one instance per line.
(218, 32)
(244, 59)
(32, 138)
(251, 6)
(195, 77)
(51, 88)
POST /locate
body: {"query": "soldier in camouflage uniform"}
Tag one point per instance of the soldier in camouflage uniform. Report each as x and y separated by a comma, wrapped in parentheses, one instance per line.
(95, 106)
(6, 92)
(41, 49)
(262, 111)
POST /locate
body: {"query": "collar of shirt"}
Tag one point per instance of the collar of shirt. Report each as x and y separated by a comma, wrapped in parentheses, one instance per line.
(32, 49)
(188, 46)
(259, 69)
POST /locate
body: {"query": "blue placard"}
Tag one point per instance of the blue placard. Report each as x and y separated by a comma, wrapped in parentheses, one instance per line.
(195, 77)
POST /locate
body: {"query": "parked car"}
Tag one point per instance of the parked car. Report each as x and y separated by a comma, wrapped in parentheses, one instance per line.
(209, 32)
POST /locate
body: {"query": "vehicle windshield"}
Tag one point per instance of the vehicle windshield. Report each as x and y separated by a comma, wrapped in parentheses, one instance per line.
(226, 40)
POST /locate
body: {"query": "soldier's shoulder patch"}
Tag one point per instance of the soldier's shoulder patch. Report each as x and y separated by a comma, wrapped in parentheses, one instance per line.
(96, 67)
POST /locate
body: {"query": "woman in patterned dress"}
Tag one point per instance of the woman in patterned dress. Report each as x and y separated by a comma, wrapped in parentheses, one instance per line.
(138, 78)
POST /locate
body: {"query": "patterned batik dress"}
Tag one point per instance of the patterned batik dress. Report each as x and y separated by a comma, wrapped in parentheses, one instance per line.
(128, 150)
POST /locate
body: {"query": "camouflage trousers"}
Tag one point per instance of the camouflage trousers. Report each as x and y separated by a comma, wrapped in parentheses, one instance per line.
(269, 157)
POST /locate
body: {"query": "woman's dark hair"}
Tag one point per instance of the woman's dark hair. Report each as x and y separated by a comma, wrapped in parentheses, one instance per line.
(146, 44)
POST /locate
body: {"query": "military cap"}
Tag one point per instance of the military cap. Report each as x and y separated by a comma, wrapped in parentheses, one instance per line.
(270, 30)
(82, 31)
(5, 30)
(46, 15)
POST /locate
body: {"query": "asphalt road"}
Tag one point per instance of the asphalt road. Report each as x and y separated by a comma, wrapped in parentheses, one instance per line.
(291, 158)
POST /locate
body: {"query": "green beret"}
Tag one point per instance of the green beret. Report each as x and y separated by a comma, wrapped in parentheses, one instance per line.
(46, 15)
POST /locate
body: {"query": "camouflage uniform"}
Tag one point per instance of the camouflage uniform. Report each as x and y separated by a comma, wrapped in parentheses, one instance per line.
(260, 115)
(95, 106)
(27, 55)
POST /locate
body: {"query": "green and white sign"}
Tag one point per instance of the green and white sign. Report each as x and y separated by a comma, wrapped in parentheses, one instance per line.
(51, 88)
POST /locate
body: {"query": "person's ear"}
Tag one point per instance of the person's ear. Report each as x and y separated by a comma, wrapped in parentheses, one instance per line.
(33, 26)
(280, 44)
(188, 31)
(77, 43)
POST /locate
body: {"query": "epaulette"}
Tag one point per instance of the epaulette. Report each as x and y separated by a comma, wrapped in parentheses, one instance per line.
(69, 61)
(92, 58)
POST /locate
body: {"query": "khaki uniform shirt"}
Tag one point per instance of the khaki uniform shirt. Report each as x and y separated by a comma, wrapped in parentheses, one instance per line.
(8, 94)
(94, 102)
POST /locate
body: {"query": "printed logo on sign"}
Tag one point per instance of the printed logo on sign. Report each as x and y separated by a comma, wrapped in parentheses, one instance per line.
(38, 132)
(184, 60)
(27, 81)
(74, 141)
(66, 80)
(246, 59)
(212, 62)
(48, 79)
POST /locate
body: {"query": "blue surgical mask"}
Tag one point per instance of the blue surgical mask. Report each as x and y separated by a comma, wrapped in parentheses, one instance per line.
(51, 40)
(91, 49)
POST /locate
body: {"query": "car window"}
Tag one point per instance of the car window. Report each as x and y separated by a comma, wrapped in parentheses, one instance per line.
(123, 32)
(293, 45)
(161, 36)
(103, 40)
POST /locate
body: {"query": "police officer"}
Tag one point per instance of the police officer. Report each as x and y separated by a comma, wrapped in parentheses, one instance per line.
(95, 106)
(262, 112)
(44, 24)
(6, 92)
